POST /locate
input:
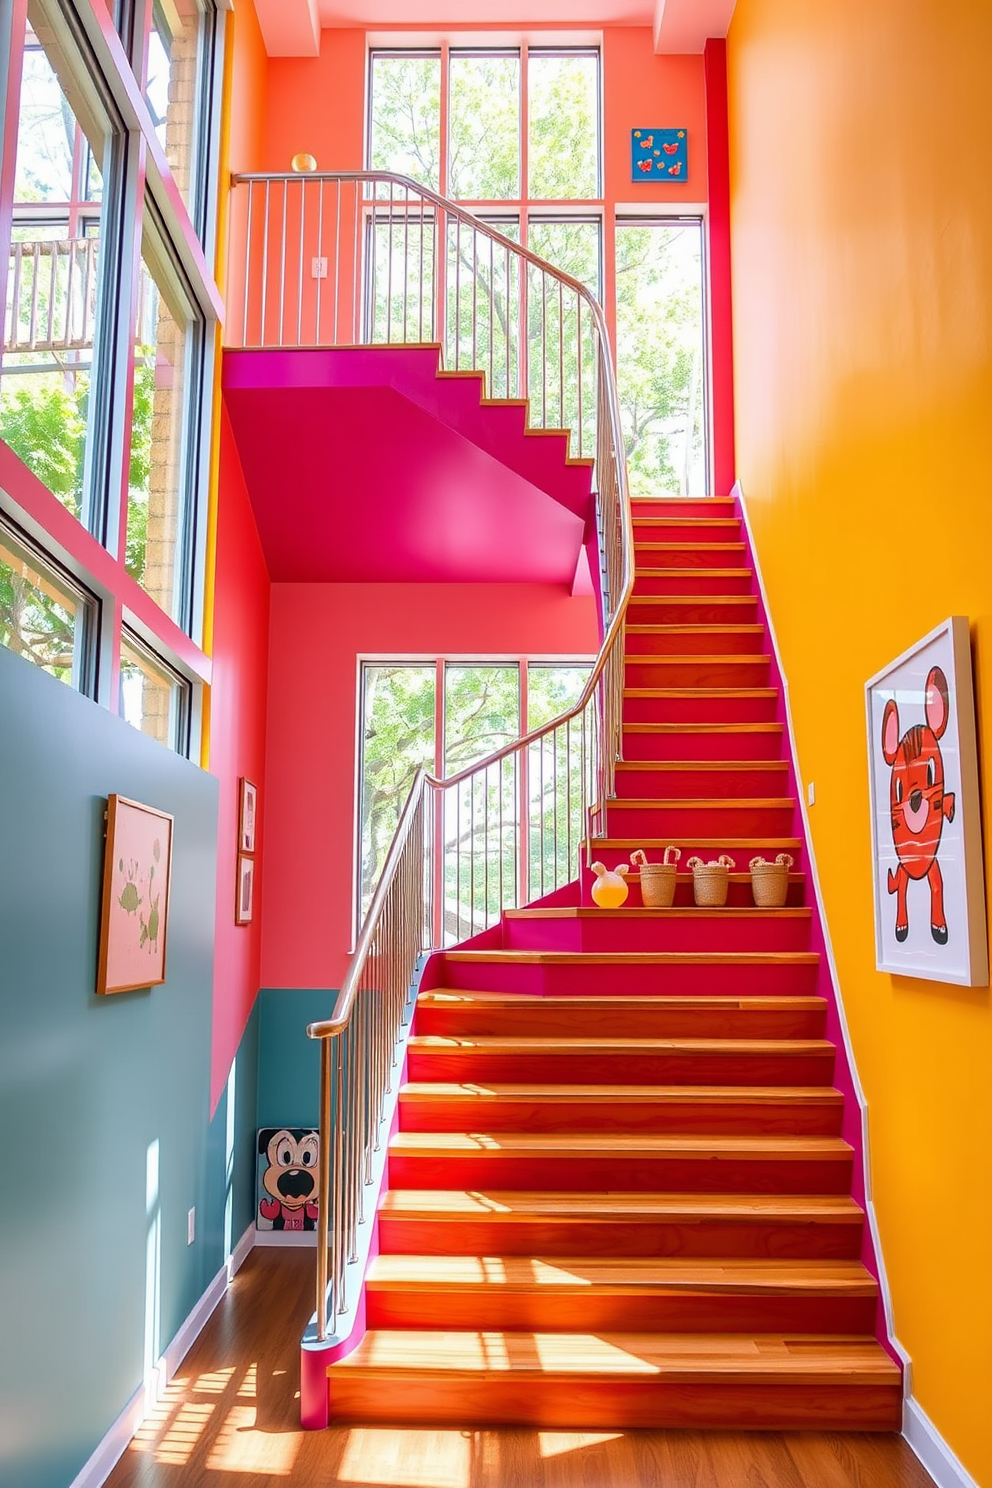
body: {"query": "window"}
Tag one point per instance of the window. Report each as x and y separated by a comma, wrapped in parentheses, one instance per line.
(44, 616)
(172, 88)
(481, 707)
(55, 296)
(488, 155)
(661, 364)
(153, 698)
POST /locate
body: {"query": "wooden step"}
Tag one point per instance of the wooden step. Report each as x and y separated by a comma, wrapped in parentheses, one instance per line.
(697, 670)
(681, 928)
(617, 1293)
(618, 1380)
(805, 1110)
(727, 779)
(683, 529)
(652, 555)
(694, 705)
(673, 973)
(593, 1163)
(443, 1012)
(637, 1061)
(694, 639)
(664, 507)
(746, 817)
(506, 1222)
(692, 609)
(651, 740)
(695, 581)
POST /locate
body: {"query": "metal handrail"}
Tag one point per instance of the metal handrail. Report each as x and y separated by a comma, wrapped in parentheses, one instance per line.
(359, 1042)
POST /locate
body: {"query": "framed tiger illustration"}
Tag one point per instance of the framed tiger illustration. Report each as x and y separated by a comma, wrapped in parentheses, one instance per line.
(926, 829)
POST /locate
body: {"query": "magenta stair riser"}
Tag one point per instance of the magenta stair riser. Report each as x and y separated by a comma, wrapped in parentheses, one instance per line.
(703, 508)
(697, 671)
(661, 1064)
(630, 1171)
(739, 609)
(691, 581)
(543, 1310)
(685, 819)
(696, 1235)
(678, 933)
(739, 895)
(685, 530)
(768, 780)
(564, 1118)
(689, 639)
(543, 1018)
(657, 553)
(713, 743)
(681, 979)
(721, 706)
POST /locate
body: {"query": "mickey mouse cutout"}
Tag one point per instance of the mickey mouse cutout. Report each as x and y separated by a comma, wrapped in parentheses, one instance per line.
(290, 1180)
(918, 803)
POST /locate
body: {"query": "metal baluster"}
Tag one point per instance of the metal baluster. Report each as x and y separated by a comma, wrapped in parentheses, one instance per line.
(475, 297)
(578, 364)
(324, 1159)
(406, 258)
(544, 359)
(492, 321)
(52, 293)
(458, 292)
(389, 272)
(320, 257)
(554, 788)
(265, 266)
(282, 266)
(485, 847)
(561, 355)
(248, 262)
(299, 290)
(541, 809)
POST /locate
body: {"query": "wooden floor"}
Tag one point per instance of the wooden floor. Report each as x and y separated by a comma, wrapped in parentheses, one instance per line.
(231, 1420)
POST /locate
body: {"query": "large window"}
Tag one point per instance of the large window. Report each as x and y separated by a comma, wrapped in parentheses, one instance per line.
(44, 615)
(446, 716)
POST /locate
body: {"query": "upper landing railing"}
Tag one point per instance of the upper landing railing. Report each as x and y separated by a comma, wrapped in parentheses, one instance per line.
(368, 258)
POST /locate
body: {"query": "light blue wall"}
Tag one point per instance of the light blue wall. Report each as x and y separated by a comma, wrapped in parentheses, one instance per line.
(289, 1062)
(93, 1279)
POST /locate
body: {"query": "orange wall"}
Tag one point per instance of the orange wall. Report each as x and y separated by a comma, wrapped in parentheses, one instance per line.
(318, 632)
(862, 248)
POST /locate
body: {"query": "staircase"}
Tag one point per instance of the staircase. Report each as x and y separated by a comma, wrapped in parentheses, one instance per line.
(618, 1193)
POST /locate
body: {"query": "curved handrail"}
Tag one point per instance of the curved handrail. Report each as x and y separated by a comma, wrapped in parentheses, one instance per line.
(600, 700)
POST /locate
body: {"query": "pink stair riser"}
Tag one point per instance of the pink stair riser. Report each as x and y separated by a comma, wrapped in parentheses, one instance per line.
(700, 705)
(686, 930)
(666, 1017)
(687, 609)
(739, 893)
(624, 1062)
(691, 639)
(688, 554)
(698, 507)
(699, 581)
(736, 781)
(792, 974)
(726, 529)
(697, 671)
(681, 819)
(713, 741)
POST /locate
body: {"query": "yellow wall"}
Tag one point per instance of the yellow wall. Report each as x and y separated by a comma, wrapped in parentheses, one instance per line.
(861, 140)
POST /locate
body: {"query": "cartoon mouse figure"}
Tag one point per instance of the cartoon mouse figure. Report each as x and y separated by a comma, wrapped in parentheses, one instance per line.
(918, 802)
(290, 1178)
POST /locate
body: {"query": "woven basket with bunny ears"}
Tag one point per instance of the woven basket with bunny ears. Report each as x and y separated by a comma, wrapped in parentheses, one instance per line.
(657, 879)
(710, 881)
(770, 881)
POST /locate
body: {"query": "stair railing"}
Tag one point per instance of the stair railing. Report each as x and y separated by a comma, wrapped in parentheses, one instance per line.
(371, 258)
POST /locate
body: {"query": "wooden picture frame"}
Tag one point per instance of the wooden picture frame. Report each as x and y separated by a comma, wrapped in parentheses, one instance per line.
(137, 878)
(929, 881)
(247, 815)
(244, 908)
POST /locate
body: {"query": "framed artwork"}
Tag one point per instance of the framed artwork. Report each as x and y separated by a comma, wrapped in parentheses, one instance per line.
(288, 1177)
(247, 816)
(926, 829)
(659, 155)
(134, 920)
(245, 907)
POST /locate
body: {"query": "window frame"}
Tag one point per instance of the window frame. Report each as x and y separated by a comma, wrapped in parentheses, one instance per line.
(87, 618)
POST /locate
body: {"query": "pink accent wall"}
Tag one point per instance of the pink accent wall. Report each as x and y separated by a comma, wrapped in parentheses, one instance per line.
(721, 325)
(318, 632)
(237, 747)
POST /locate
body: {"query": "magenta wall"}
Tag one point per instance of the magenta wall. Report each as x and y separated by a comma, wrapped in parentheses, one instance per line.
(318, 633)
(237, 745)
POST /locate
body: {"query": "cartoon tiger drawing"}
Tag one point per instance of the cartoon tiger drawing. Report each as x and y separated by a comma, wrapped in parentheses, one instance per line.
(918, 803)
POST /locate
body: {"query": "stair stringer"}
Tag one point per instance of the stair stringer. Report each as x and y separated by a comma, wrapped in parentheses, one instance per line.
(855, 1120)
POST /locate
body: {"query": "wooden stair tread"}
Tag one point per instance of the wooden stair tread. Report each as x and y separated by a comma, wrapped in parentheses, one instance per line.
(717, 844)
(697, 573)
(510, 1205)
(453, 997)
(760, 1148)
(660, 1357)
(710, 803)
(813, 1095)
(722, 693)
(621, 1274)
(634, 958)
(493, 1043)
(702, 728)
(714, 766)
(691, 547)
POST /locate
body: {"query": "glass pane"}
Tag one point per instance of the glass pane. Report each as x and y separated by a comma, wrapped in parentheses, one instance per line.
(405, 118)
(400, 282)
(552, 689)
(483, 305)
(481, 712)
(41, 616)
(484, 127)
(660, 357)
(558, 764)
(571, 245)
(171, 90)
(563, 124)
(152, 698)
(397, 732)
(53, 280)
(157, 485)
(562, 344)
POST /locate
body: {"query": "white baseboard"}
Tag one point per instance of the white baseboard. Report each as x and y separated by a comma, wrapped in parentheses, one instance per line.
(928, 1444)
(94, 1473)
(282, 1238)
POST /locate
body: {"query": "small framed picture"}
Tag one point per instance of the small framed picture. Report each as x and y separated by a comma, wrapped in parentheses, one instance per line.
(136, 879)
(926, 824)
(247, 816)
(245, 907)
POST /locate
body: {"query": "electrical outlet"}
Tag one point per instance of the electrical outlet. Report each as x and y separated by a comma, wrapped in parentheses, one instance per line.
(191, 1227)
(811, 794)
(318, 268)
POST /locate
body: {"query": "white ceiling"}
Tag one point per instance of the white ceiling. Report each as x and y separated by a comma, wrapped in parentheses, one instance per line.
(291, 28)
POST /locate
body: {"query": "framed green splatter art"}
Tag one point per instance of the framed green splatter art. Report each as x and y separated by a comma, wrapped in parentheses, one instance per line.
(135, 917)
